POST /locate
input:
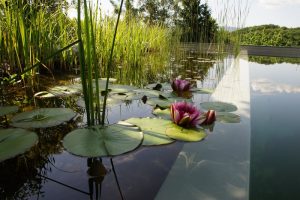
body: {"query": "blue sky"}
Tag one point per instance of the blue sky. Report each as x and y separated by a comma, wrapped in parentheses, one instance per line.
(257, 12)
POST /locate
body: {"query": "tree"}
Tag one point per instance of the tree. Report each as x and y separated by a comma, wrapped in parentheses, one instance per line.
(196, 21)
(157, 11)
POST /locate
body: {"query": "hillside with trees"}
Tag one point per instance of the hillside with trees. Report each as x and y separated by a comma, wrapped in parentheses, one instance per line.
(192, 17)
(270, 35)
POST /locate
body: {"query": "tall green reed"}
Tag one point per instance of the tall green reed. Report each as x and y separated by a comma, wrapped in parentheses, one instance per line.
(30, 32)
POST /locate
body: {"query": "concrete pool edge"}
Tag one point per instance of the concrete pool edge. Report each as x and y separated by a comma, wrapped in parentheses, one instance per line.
(218, 167)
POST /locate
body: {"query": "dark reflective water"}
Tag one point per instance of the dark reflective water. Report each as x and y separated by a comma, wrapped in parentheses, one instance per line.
(275, 127)
(49, 172)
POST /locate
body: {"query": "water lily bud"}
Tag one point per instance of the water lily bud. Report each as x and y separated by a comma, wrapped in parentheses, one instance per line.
(210, 117)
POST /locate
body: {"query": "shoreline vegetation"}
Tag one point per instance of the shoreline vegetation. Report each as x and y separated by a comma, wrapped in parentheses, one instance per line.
(30, 31)
(269, 35)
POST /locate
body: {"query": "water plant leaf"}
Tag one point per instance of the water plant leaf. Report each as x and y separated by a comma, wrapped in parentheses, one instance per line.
(187, 135)
(42, 118)
(64, 91)
(15, 141)
(227, 117)
(122, 88)
(147, 92)
(154, 134)
(127, 96)
(43, 95)
(97, 141)
(218, 106)
(159, 86)
(162, 103)
(5, 110)
(202, 90)
(162, 113)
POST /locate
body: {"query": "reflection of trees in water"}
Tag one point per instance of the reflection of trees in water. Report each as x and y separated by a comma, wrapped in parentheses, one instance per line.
(267, 60)
(21, 176)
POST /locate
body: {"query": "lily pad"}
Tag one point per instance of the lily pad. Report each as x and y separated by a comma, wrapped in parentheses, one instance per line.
(162, 103)
(165, 113)
(202, 90)
(64, 91)
(5, 110)
(154, 134)
(42, 118)
(43, 95)
(218, 106)
(97, 141)
(15, 141)
(183, 134)
(122, 88)
(159, 86)
(147, 92)
(127, 96)
(165, 103)
(227, 117)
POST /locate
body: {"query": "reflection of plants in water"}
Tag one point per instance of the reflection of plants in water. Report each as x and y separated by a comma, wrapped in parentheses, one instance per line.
(19, 176)
(267, 60)
(190, 160)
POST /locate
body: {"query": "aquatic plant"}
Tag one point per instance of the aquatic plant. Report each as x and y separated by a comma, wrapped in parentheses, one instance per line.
(180, 86)
(210, 117)
(185, 114)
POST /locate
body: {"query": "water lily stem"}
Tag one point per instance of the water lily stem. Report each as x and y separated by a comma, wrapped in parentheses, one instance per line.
(116, 177)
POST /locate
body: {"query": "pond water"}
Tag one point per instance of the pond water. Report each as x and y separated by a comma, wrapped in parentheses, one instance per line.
(275, 131)
(267, 97)
(49, 172)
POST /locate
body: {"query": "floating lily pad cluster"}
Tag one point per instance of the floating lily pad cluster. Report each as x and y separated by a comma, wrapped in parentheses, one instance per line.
(15, 141)
(157, 94)
(112, 140)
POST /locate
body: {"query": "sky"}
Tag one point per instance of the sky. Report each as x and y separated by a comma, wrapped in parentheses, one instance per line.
(253, 12)
(279, 12)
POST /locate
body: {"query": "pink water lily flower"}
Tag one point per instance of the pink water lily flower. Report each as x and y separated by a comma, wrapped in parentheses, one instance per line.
(185, 114)
(210, 117)
(180, 86)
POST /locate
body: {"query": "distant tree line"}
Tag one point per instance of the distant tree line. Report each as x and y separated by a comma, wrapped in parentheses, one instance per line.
(193, 17)
(270, 35)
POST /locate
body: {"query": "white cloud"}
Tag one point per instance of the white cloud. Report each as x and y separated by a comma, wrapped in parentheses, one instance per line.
(278, 3)
(266, 86)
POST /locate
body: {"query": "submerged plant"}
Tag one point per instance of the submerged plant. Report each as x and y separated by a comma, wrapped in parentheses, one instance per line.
(185, 114)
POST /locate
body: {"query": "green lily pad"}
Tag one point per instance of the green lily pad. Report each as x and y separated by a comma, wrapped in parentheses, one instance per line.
(64, 91)
(43, 95)
(187, 135)
(202, 90)
(153, 134)
(147, 92)
(227, 117)
(162, 86)
(122, 88)
(42, 118)
(165, 113)
(97, 141)
(125, 96)
(162, 103)
(6, 110)
(15, 141)
(218, 106)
